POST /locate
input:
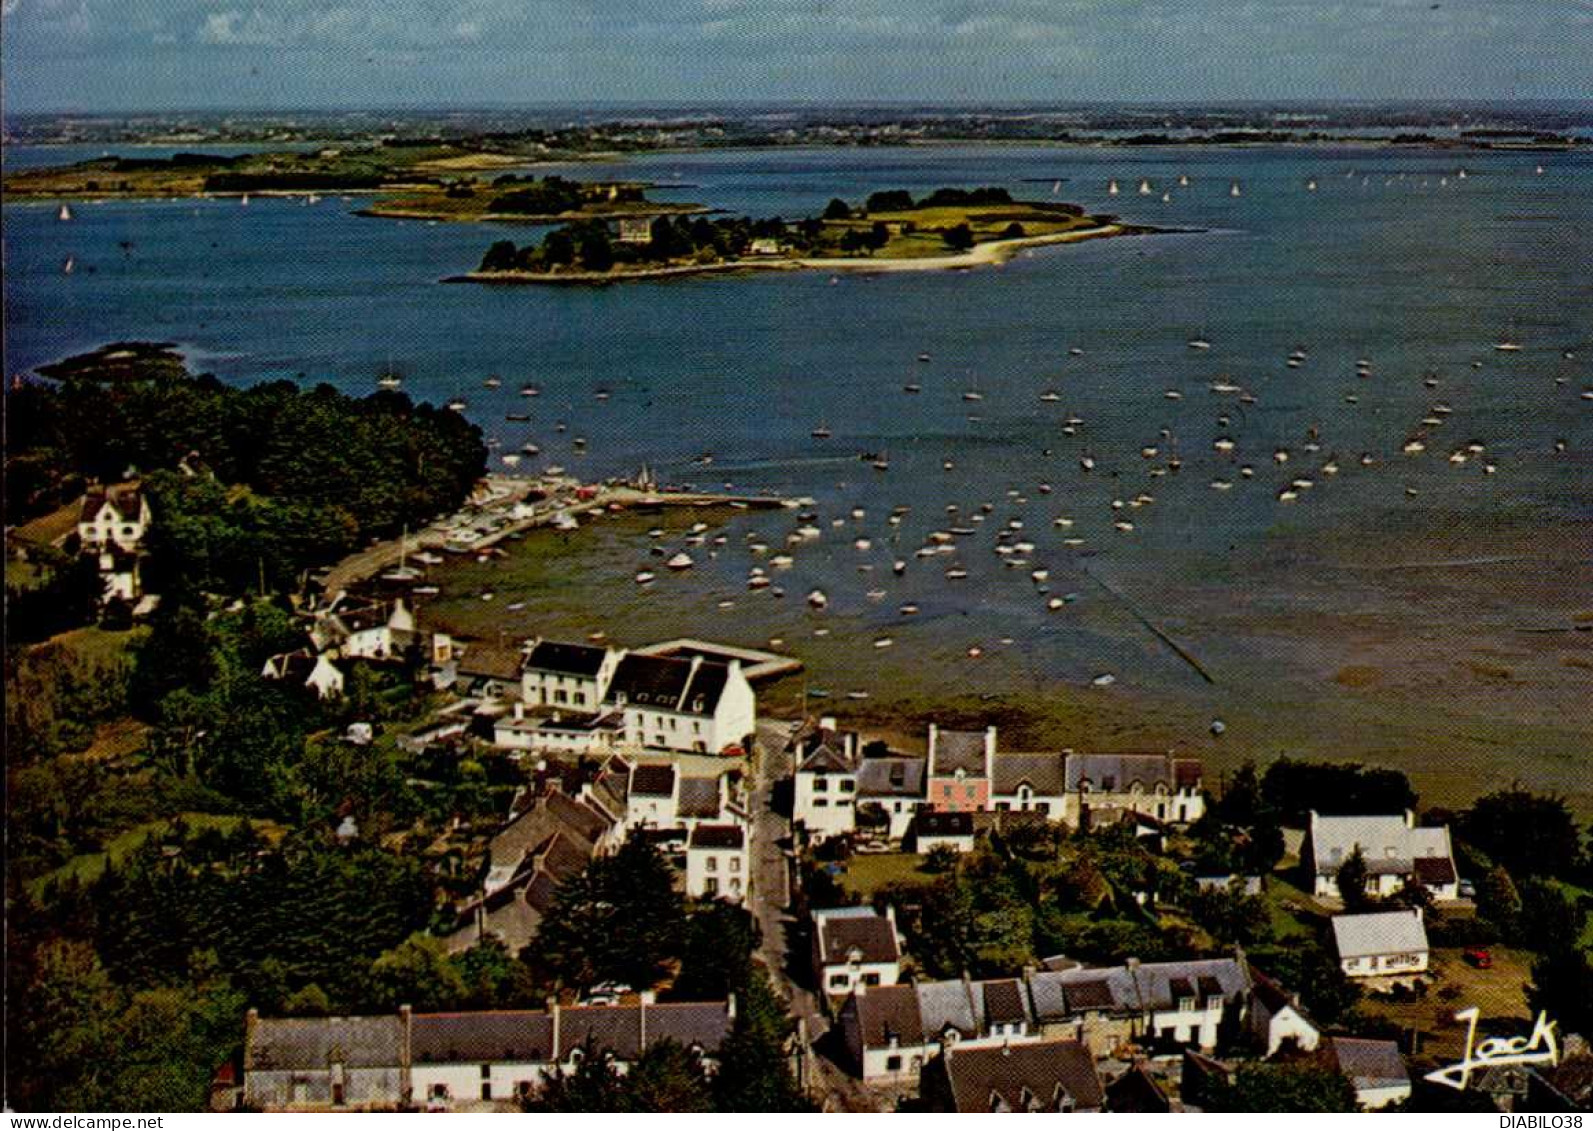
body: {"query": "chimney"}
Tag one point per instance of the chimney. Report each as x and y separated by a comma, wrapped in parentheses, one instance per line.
(519, 711)
(406, 1021)
(649, 996)
(553, 1012)
(1131, 963)
(250, 1020)
(730, 1007)
(827, 722)
(1410, 819)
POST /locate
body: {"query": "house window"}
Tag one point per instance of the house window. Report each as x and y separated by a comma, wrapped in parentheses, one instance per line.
(1002, 807)
(735, 863)
(970, 792)
(838, 981)
(821, 784)
(486, 1089)
(579, 698)
(711, 886)
(486, 1071)
(847, 785)
(945, 791)
(893, 1064)
(871, 979)
(713, 864)
(735, 886)
(1042, 807)
(560, 697)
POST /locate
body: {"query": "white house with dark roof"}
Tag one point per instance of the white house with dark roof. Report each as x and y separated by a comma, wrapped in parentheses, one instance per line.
(1029, 783)
(567, 677)
(931, 830)
(559, 733)
(1049, 1076)
(855, 946)
(894, 786)
(717, 863)
(1375, 1069)
(484, 1061)
(891, 1032)
(1396, 850)
(1382, 944)
(1159, 786)
(825, 797)
(663, 797)
(1276, 1020)
(1175, 1004)
(688, 705)
(116, 516)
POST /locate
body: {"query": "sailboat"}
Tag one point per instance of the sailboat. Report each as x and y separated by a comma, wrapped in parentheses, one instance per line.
(1144, 188)
(1310, 186)
(1111, 188)
(245, 201)
(1183, 180)
(1233, 189)
(69, 266)
(65, 213)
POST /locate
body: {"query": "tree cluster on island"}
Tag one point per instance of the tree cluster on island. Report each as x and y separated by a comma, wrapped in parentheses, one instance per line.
(592, 247)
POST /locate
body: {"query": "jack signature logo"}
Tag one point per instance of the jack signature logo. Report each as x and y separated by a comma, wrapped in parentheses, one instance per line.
(1540, 1048)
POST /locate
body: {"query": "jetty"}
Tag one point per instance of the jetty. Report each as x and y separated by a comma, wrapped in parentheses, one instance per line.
(505, 506)
(756, 665)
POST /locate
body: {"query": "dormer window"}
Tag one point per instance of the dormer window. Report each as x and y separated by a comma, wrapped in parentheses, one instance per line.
(697, 704)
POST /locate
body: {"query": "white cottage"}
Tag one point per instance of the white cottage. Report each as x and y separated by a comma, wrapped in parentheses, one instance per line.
(825, 795)
(1382, 944)
(855, 946)
(688, 705)
(718, 865)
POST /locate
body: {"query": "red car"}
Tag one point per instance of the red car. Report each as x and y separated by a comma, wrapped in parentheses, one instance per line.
(1479, 957)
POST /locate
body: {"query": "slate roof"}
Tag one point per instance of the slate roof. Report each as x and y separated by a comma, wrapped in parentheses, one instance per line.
(1368, 1063)
(1389, 845)
(884, 1012)
(566, 659)
(891, 777)
(699, 797)
(316, 1042)
(519, 1036)
(1004, 1002)
(492, 661)
(717, 836)
(653, 781)
(1434, 870)
(1155, 986)
(125, 499)
(1044, 774)
(949, 1005)
(1116, 773)
(953, 750)
(608, 1028)
(828, 751)
(685, 686)
(692, 1024)
(1137, 1091)
(1379, 932)
(1015, 1077)
(847, 928)
(928, 823)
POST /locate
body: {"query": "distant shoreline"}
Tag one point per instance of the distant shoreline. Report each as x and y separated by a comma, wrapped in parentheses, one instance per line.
(987, 254)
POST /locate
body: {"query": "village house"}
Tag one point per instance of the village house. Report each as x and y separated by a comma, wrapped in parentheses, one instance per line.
(567, 677)
(1029, 783)
(367, 632)
(1382, 944)
(687, 705)
(664, 798)
(307, 669)
(931, 830)
(549, 842)
(825, 796)
(559, 734)
(116, 516)
(1374, 1069)
(855, 946)
(1276, 1020)
(891, 1031)
(1166, 1004)
(488, 1060)
(890, 790)
(1158, 786)
(1397, 852)
(1055, 1076)
(959, 769)
(717, 863)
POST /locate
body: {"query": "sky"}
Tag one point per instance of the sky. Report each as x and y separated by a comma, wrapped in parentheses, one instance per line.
(132, 55)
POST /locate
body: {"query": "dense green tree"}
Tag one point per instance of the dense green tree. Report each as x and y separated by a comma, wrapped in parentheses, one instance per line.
(500, 256)
(1313, 972)
(837, 209)
(1300, 1087)
(1351, 878)
(1562, 986)
(1294, 788)
(417, 972)
(1529, 834)
(754, 1061)
(620, 920)
(959, 237)
(716, 957)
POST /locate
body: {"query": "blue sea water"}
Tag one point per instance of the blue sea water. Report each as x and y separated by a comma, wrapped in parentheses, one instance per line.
(1394, 257)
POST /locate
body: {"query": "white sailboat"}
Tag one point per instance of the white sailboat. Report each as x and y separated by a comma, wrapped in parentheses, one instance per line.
(69, 266)
(1144, 188)
(1111, 188)
(244, 202)
(1233, 189)
(65, 213)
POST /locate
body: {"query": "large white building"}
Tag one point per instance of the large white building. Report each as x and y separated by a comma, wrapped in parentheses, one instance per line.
(683, 704)
(566, 677)
(1395, 849)
(1153, 785)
